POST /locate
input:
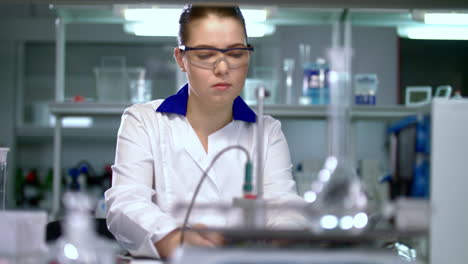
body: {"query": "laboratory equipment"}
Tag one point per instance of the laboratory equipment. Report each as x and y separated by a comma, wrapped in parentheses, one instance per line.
(284, 256)
(315, 83)
(444, 91)
(337, 195)
(449, 181)
(22, 237)
(365, 88)
(140, 88)
(418, 95)
(113, 79)
(288, 68)
(250, 89)
(410, 153)
(79, 242)
(3, 176)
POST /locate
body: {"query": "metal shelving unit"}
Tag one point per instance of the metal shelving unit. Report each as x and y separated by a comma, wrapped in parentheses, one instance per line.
(378, 113)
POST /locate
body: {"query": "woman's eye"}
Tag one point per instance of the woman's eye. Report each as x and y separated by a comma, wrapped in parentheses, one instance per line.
(236, 54)
(205, 55)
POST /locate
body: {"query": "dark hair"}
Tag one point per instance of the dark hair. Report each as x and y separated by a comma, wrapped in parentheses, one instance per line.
(191, 13)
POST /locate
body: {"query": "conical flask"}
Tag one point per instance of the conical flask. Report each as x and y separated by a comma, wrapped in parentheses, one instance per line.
(339, 201)
(79, 243)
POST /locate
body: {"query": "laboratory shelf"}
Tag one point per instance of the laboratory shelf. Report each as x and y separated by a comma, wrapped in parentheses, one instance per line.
(33, 133)
(279, 111)
(86, 109)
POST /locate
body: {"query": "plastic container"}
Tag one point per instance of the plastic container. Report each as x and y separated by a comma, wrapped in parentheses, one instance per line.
(365, 89)
(3, 176)
(315, 83)
(113, 80)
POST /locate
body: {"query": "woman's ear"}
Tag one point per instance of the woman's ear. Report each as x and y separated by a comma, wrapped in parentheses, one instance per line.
(178, 57)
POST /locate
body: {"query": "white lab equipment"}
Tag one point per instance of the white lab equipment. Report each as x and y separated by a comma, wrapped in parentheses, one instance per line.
(22, 236)
(365, 88)
(444, 91)
(187, 255)
(418, 95)
(449, 181)
(3, 176)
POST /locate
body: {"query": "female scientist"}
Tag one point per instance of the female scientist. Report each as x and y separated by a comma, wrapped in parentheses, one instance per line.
(163, 146)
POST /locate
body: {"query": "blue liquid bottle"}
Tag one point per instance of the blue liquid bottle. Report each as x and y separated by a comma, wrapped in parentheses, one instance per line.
(315, 83)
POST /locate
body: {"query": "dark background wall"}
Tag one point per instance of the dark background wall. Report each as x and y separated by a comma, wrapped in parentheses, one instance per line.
(433, 63)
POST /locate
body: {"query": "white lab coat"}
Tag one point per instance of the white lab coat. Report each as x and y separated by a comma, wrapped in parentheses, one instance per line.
(159, 160)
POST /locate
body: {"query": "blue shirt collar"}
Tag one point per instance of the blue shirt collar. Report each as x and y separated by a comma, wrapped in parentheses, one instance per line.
(177, 104)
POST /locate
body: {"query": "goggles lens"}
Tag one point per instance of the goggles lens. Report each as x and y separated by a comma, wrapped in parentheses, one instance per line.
(208, 58)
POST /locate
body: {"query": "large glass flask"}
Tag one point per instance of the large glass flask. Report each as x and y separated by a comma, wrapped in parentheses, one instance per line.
(79, 243)
(337, 195)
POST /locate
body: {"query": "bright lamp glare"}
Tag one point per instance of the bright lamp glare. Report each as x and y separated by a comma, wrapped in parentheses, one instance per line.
(446, 19)
(450, 33)
(164, 22)
(346, 222)
(310, 196)
(152, 29)
(253, 15)
(360, 220)
(70, 251)
(329, 222)
(152, 14)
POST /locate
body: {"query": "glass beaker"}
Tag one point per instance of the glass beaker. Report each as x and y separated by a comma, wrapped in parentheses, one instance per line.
(3, 176)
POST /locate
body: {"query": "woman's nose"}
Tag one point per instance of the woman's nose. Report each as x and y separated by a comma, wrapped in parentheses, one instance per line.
(221, 67)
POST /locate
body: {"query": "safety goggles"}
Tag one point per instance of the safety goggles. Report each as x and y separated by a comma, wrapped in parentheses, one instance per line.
(208, 58)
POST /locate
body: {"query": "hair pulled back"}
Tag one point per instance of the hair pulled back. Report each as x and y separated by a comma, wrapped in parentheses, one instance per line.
(193, 12)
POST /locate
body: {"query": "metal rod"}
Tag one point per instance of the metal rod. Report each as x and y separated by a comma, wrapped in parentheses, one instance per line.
(261, 94)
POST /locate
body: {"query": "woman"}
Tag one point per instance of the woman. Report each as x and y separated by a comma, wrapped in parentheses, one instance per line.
(163, 146)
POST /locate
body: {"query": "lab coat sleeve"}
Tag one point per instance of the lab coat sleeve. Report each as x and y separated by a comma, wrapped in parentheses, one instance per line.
(279, 186)
(132, 216)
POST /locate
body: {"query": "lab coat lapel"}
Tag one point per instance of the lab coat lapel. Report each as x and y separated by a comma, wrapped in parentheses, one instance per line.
(195, 150)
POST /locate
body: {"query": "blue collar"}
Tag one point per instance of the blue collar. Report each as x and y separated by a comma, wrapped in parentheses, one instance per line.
(177, 104)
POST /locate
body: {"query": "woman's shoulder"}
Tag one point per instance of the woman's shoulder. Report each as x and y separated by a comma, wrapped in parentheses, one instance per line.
(147, 107)
(270, 121)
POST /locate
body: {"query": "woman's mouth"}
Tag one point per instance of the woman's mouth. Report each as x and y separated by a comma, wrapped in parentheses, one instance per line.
(221, 86)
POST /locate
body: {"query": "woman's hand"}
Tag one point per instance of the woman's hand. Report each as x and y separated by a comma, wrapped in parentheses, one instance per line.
(171, 241)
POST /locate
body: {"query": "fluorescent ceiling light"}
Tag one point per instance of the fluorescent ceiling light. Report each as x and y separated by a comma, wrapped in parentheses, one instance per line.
(152, 14)
(446, 18)
(165, 22)
(254, 15)
(152, 29)
(448, 33)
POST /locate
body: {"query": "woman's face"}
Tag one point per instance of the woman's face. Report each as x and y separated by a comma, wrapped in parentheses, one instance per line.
(221, 85)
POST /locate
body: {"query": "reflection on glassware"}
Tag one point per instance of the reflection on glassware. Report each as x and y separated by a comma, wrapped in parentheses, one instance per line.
(140, 90)
(79, 242)
(337, 192)
(288, 68)
(3, 176)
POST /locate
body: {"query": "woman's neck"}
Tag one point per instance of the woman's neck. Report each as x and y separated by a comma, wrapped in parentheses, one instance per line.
(206, 119)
